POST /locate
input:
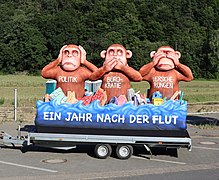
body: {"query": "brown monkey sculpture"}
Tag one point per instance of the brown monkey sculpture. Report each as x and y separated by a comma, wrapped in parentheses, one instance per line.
(115, 72)
(165, 72)
(67, 70)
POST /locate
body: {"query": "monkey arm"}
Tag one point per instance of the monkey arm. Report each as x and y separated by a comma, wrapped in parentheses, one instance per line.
(185, 72)
(131, 73)
(90, 66)
(99, 73)
(145, 70)
(49, 70)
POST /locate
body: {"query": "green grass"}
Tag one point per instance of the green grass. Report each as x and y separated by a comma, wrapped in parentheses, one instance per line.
(32, 88)
(206, 126)
(2, 101)
(196, 91)
(29, 89)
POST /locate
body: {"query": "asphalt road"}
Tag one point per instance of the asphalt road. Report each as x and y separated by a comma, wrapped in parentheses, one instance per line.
(80, 163)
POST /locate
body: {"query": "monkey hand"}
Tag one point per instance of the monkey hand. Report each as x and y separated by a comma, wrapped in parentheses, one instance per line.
(155, 61)
(119, 65)
(108, 65)
(60, 53)
(174, 58)
(157, 58)
(83, 54)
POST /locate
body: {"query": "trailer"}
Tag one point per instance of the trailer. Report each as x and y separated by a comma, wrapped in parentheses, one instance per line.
(103, 143)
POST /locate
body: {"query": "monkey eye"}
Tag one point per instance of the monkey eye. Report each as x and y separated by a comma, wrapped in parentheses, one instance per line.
(111, 52)
(167, 52)
(75, 53)
(66, 52)
(119, 52)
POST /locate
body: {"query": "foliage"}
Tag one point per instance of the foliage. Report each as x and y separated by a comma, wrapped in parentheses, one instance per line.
(33, 31)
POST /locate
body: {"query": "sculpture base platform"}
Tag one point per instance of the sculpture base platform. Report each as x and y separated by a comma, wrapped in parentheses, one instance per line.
(118, 132)
(168, 119)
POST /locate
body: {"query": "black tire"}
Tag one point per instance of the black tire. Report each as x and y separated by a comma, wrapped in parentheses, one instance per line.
(124, 151)
(102, 151)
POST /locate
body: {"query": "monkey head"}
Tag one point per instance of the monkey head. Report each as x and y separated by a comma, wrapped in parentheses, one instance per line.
(70, 57)
(116, 53)
(165, 58)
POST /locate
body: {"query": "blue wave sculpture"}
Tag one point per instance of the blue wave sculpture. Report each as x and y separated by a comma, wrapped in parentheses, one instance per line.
(171, 115)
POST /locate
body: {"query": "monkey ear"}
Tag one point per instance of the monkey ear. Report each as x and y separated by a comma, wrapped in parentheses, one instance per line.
(152, 54)
(103, 54)
(129, 54)
(178, 54)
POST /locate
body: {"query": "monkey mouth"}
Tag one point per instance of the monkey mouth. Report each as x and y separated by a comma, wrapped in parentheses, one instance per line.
(68, 63)
(160, 65)
(165, 67)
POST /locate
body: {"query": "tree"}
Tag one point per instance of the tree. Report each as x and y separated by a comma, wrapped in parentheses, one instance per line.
(32, 32)
(212, 59)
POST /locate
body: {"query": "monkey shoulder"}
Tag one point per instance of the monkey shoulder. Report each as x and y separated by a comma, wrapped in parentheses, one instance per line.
(84, 72)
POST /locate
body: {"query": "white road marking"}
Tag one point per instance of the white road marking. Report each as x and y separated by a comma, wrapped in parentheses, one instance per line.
(199, 147)
(174, 162)
(160, 160)
(29, 167)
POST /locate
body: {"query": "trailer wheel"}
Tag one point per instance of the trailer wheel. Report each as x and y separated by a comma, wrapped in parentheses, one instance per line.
(124, 151)
(103, 151)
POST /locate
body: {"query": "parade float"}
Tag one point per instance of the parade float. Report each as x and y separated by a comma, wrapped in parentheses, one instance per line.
(163, 113)
(86, 104)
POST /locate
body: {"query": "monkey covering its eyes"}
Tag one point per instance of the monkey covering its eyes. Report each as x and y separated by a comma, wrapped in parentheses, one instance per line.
(165, 71)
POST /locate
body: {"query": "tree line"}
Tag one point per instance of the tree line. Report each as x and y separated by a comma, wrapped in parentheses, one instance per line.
(33, 31)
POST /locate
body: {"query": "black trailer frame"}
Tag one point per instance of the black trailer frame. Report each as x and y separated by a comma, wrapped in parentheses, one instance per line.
(103, 143)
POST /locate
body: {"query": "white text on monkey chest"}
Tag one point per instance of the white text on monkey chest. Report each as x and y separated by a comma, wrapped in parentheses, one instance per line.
(67, 79)
(113, 82)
